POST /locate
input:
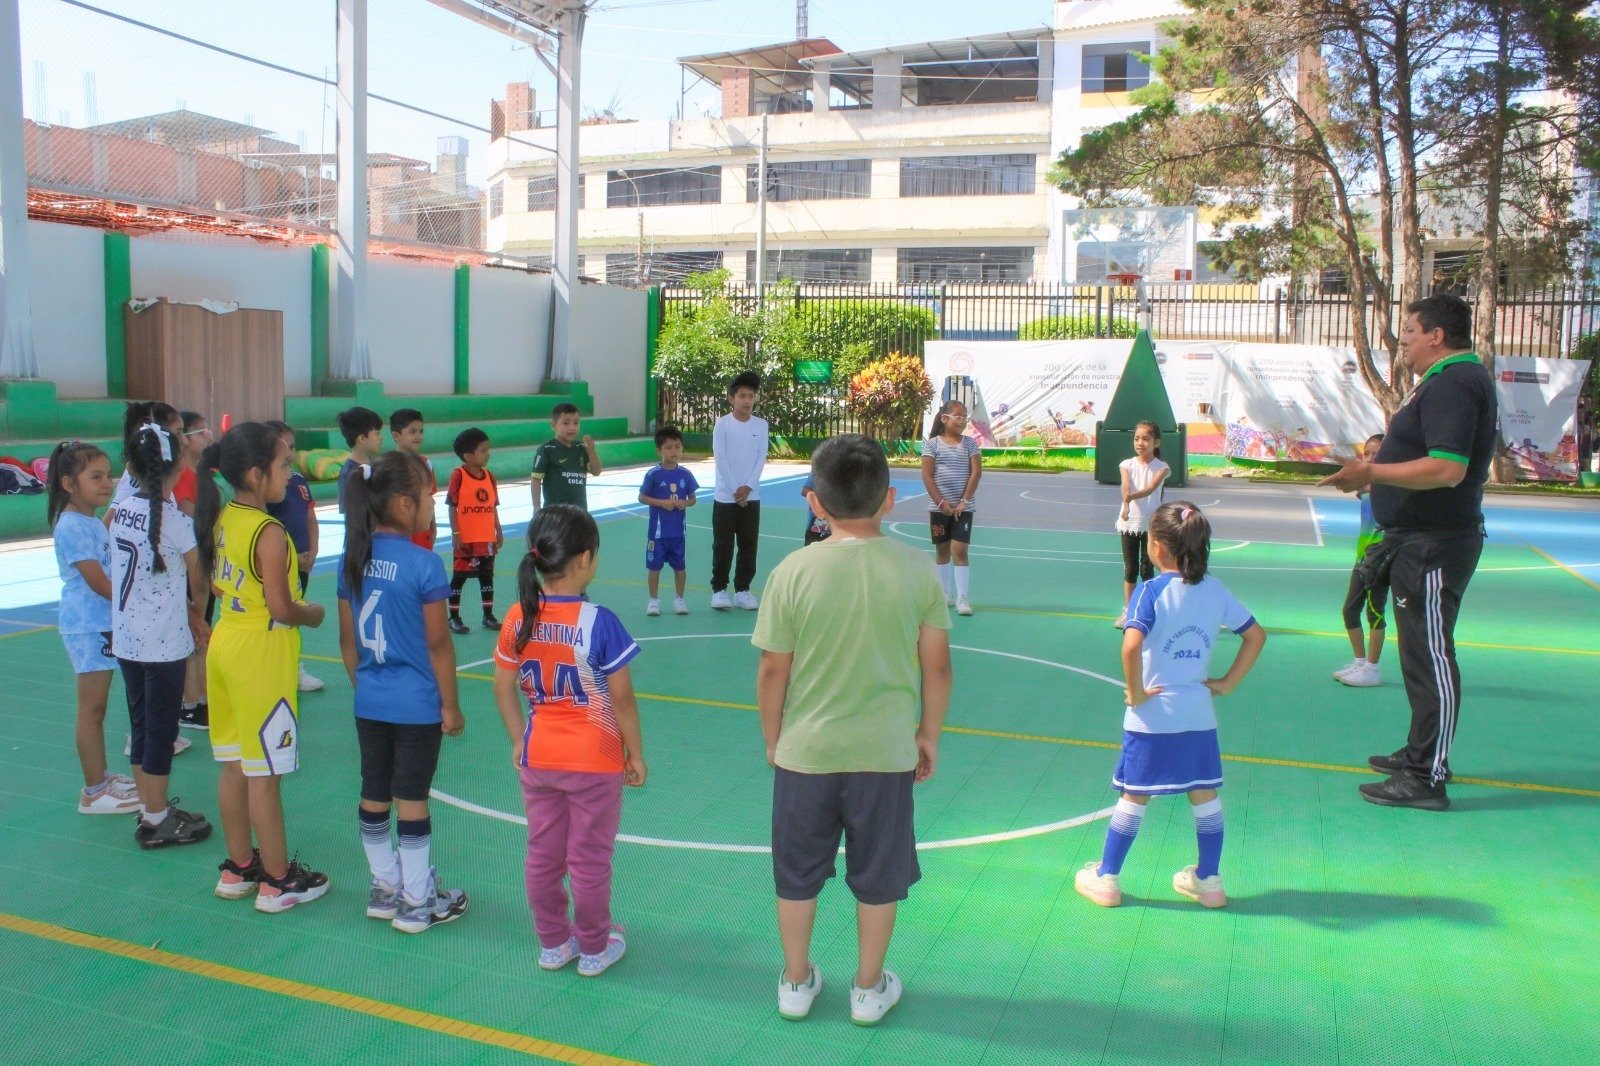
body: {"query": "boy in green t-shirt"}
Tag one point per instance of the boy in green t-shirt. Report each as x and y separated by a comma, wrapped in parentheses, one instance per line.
(853, 687)
(563, 465)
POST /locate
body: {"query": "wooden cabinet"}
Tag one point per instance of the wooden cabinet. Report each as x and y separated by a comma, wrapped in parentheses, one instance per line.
(203, 361)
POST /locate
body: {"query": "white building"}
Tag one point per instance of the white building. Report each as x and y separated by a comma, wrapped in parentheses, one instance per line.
(920, 163)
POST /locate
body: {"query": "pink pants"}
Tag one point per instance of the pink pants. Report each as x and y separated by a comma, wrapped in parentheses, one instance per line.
(572, 831)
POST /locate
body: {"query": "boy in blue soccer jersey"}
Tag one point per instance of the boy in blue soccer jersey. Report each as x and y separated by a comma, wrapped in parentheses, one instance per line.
(668, 490)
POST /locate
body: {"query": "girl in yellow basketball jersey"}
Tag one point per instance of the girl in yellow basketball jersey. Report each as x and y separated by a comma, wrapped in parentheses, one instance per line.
(252, 671)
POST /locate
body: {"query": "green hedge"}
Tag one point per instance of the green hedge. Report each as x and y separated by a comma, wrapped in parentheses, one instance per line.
(1076, 327)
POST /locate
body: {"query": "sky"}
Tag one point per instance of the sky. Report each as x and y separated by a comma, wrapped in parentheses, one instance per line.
(425, 56)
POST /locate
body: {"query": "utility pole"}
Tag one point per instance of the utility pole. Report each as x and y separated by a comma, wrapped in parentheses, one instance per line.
(802, 20)
(761, 212)
(638, 252)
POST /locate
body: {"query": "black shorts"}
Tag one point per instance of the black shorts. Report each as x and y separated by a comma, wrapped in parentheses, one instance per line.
(1136, 564)
(1359, 597)
(950, 527)
(873, 812)
(397, 761)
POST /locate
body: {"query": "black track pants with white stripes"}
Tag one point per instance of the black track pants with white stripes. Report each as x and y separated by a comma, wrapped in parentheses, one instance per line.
(1426, 583)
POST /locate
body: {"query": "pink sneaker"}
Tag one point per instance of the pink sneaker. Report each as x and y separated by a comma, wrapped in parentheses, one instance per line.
(1104, 889)
(1206, 891)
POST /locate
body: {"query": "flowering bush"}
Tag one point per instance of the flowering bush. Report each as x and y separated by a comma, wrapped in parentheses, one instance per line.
(890, 396)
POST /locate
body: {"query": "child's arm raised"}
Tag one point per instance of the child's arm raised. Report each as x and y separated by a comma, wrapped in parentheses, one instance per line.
(1251, 641)
(933, 653)
(772, 688)
(272, 564)
(508, 701)
(594, 455)
(625, 708)
(442, 656)
(347, 641)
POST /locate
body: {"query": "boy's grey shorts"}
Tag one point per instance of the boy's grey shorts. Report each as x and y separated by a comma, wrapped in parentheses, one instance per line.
(871, 811)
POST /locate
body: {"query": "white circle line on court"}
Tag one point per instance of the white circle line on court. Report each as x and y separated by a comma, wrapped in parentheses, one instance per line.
(1082, 503)
(763, 849)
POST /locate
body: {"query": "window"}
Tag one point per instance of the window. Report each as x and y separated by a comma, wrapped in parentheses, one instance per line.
(1205, 270)
(497, 199)
(657, 188)
(965, 264)
(814, 264)
(967, 175)
(1115, 68)
(821, 179)
(1098, 260)
(542, 193)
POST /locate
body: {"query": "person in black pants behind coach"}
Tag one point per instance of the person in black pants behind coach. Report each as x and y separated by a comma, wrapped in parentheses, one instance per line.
(1427, 493)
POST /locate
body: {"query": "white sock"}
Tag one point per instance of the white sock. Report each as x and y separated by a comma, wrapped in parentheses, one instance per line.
(416, 861)
(381, 857)
(961, 581)
(945, 570)
(1360, 661)
(153, 819)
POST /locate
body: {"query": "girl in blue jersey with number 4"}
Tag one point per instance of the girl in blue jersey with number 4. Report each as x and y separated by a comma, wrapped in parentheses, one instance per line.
(1169, 739)
(398, 651)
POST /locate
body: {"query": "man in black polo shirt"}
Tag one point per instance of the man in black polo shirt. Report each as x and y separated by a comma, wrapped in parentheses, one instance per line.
(1427, 494)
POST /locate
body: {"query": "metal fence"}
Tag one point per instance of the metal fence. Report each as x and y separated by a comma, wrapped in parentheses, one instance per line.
(1533, 321)
(792, 409)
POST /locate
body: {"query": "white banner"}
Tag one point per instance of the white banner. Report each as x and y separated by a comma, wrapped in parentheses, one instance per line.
(1263, 401)
(1538, 414)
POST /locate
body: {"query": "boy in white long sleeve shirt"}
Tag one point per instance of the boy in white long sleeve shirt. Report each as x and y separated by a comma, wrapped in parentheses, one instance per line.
(739, 445)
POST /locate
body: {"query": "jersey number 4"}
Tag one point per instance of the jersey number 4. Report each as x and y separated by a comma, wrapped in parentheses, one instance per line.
(372, 641)
(568, 683)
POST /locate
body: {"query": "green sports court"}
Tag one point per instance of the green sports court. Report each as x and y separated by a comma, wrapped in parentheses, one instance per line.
(1353, 933)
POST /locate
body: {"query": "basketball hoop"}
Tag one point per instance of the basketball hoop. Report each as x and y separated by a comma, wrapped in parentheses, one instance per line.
(1128, 278)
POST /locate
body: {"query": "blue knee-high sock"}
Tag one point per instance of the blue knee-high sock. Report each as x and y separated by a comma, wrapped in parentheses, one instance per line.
(1119, 835)
(1208, 831)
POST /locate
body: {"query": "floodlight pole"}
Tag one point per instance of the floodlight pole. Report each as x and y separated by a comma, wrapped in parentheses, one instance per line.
(352, 357)
(17, 358)
(761, 211)
(568, 30)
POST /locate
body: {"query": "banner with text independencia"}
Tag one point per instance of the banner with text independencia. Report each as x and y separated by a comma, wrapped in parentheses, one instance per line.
(1261, 401)
(1538, 414)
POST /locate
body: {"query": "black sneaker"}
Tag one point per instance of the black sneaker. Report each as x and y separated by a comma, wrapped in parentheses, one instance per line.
(178, 827)
(1403, 790)
(196, 717)
(237, 882)
(457, 626)
(1396, 763)
(299, 884)
(490, 621)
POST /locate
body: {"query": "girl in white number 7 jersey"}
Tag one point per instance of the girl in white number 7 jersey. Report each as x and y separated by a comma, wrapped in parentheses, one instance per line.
(397, 648)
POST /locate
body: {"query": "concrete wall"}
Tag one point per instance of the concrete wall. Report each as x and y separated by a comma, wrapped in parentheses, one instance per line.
(274, 278)
(411, 316)
(509, 320)
(411, 327)
(68, 295)
(608, 331)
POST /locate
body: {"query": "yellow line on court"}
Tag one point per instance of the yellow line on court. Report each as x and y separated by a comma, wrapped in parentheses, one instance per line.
(25, 632)
(1547, 557)
(373, 1008)
(1078, 742)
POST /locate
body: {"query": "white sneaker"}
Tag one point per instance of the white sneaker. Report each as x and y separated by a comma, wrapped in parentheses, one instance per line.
(1339, 674)
(1121, 622)
(1104, 889)
(963, 607)
(1367, 675)
(111, 800)
(679, 606)
(746, 600)
(720, 601)
(1206, 891)
(309, 683)
(794, 1001)
(869, 1005)
(652, 609)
